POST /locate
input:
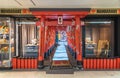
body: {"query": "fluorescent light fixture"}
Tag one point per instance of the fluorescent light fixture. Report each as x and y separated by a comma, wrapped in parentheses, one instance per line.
(26, 23)
(99, 22)
(18, 2)
(33, 2)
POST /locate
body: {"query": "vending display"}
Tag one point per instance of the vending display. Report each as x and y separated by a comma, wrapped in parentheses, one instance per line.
(6, 41)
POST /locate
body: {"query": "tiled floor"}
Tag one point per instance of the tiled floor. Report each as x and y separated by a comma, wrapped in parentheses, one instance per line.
(42, 74)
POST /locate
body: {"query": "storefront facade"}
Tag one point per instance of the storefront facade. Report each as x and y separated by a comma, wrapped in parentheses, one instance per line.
(92, 34)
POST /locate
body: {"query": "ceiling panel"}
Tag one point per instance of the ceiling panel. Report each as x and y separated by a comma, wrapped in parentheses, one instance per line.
(59, 3)
(25, 3)
(8, 4)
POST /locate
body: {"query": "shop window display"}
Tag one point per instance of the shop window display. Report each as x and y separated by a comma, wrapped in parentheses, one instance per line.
(27, 37)
(98, 38)
(6, 41)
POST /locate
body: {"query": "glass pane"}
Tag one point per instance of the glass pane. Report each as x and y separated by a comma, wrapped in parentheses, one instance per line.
(38, 35)
(5, 41)
(98, 38)
(12, 37)
(28, 43)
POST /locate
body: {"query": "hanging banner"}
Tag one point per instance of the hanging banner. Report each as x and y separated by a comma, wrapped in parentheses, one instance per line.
(69, 28)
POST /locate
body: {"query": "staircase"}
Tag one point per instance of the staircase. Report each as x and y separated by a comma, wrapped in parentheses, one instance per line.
(60, 63)
(60, 57)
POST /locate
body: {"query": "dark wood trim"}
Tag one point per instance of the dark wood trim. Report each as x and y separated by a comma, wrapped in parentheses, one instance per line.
(60, 9)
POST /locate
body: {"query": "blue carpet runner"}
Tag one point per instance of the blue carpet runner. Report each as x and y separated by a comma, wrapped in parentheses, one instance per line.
(60, 57)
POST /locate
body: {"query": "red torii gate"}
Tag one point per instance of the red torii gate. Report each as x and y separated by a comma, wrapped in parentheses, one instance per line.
(49, 34)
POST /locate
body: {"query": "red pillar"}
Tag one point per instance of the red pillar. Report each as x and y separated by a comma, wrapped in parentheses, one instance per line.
(41, 43)
(78, 40)
(49, 38)
(45, 42)
(68, 37)
(73, 37)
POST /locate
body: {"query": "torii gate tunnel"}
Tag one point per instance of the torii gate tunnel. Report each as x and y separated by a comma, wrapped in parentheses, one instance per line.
(48, 24)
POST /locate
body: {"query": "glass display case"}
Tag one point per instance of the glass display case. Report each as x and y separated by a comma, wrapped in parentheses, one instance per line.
(6, 41)
(26, 38)
(99, 38)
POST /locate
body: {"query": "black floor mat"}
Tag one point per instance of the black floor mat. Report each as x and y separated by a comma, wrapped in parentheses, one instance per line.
(60, 71)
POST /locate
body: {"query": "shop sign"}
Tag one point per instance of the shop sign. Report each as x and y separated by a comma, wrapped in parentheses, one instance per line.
(105, 11)
(11, 11)
(60, 20)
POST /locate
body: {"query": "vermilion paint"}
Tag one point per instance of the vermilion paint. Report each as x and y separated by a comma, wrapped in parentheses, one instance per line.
(22, 63)
(98, 64)
(95, 64)
(111, 63)
(14, 62)
(35, 63)
(115, 63)
(18, 63)
(105, 63)
(29, 63)
(32, 63)
(26, 63)
(108, 63)
(88, 63)
(85, 64)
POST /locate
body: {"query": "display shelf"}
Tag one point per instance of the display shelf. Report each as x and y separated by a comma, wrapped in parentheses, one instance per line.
(6, 42)
(31, 51)
(5, 34)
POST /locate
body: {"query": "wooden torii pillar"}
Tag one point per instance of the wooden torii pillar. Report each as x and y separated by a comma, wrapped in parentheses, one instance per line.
(41, 50)
(78, 40)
